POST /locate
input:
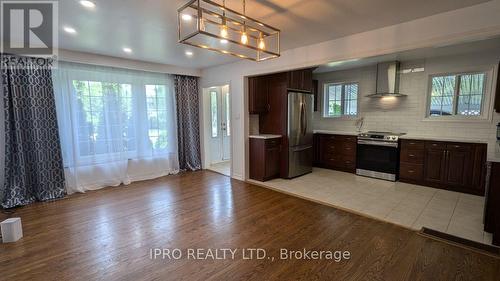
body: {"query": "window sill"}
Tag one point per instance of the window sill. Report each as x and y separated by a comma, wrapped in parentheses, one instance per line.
(457, 119)
(342, 118)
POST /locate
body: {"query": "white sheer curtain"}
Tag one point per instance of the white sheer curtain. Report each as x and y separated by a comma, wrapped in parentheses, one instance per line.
(116, 126)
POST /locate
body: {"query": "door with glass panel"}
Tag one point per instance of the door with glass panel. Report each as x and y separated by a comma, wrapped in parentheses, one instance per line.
(220, 126)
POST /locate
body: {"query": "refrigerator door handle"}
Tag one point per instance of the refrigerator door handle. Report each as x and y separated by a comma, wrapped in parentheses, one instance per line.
(303, 121)
(302, 148)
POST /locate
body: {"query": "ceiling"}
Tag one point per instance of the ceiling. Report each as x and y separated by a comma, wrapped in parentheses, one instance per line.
(149, 27)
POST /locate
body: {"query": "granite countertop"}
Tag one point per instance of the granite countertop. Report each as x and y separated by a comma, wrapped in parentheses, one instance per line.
(336, 132)
(264, 136)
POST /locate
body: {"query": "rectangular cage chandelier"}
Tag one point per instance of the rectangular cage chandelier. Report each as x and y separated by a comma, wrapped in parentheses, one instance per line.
(212, 26)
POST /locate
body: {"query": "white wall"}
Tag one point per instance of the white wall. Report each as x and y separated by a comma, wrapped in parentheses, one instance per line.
(408, 114)
(475, 22)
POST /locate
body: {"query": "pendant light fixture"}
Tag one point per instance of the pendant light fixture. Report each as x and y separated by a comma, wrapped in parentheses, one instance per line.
(216, 27)
(223, 29)
(244, 37)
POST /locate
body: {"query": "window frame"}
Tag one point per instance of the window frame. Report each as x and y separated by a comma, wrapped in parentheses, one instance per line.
(342, 99)
(485, 101)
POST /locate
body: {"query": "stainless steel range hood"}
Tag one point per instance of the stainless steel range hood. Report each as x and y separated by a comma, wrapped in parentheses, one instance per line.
(387, 80)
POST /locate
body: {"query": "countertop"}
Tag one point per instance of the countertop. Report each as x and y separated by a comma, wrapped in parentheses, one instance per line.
(494, 158)
(335, 132)
(264, 136)
(438, 138)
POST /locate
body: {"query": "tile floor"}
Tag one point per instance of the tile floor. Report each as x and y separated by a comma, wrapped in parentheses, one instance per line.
(408, 205)
(221, 168)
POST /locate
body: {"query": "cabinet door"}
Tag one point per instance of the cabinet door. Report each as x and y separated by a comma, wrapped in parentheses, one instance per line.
(258, 95)
(272, 161)
(295, 79)
(307, 80)
(497, 95)
(435, 165)
(459, 167)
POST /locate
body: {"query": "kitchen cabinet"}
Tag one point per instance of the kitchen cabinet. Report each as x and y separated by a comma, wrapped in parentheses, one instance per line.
(435, 163)
(497, 95)
(492, 211)
(300, 80)
(265, 158)
(315, 91)
(336, 152)
(449, 165)
(258, 95)
(412, 160)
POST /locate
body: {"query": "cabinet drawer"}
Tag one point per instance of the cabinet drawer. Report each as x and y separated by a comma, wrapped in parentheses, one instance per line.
(349, 139)
(348, 148)
(412, 144)
(412, 156)
(270, 143)
(459, 146)
(435, 145)
(348, 162)
(331, 160)
(411, 171)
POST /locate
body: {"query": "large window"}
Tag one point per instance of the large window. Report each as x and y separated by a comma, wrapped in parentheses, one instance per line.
(456, 95)
(341, 99)
(104, 117)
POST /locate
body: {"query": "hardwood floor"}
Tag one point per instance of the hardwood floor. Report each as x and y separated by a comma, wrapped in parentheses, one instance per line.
(108, 234)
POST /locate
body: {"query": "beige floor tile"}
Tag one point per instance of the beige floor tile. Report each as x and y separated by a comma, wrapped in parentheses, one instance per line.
(405, 204)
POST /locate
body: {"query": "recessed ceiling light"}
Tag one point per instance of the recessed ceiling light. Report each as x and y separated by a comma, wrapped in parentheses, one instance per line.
(189, 53)
(186, 17)
(127, 50)
(87, 4)
(69, 29)
(223, 41)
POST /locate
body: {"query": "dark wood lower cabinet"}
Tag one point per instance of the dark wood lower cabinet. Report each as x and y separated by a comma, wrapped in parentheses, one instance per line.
(337, 152)
(492, 214)
(265, 158)
(448, 165)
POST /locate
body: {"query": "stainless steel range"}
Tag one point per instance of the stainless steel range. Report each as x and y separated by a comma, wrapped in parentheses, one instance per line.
(378, 155)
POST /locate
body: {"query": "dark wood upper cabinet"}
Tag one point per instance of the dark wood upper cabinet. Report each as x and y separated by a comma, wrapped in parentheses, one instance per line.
(300, 80)
(258, 95)
(315, 90)
(497, 95)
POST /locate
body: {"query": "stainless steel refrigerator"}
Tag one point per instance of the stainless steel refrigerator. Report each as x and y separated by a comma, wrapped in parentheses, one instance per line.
(300, 134)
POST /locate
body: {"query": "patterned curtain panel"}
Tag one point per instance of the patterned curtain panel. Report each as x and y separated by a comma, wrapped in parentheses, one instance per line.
(188, 122)
(33, 162)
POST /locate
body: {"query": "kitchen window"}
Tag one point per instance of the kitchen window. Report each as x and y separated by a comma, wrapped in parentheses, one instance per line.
(341, 99)
(457, 95)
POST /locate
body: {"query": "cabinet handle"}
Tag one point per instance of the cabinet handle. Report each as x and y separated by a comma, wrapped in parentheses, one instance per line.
(456, 146)
(411, 155)
(411, 171)
(347, 148)
(412, 143)
(268, 107)
(434, 144)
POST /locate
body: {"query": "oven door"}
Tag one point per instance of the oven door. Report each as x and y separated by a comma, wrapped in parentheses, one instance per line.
(378, 159)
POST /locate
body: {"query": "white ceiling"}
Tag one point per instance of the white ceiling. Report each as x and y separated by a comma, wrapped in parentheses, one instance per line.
(149, 27)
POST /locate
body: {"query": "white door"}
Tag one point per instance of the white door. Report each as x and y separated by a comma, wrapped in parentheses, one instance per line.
(220, 127)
